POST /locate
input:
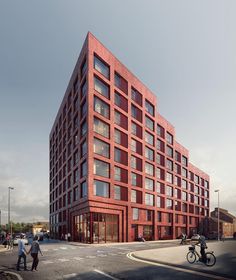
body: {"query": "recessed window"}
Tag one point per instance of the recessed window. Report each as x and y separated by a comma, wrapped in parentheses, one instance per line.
(133, 196)
(83, 148)
(120, 174)
(101, 67)
(169, 177)
(101, 148)
(101, 128)
(169, 151)
(149, 154)
(149, 108)
(136, 113)
(149, 199)
(135, 213)
(121, 120)
(169, 138)
(136, 179)
(101, 87)
(84, 169)
(121, 83)
(136, 96)
(84, 89)
(184, 161)
(149, 169)
(169, 164)
(83, 68)
(169, 191)
(149, 184)
(83, 128)
(160, 131)
(120, 193)
(136, 130)
(101, 188)
(149, 138)
(121, 138)
(101, 168)
(84, 189)
(101, 107)
(169, 203)
(121, 102)
(149, 123)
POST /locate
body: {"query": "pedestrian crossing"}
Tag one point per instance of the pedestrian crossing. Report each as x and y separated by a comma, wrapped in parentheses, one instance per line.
(82, 258)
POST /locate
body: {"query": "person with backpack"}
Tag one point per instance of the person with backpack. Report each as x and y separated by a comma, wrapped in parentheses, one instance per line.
(34, 250)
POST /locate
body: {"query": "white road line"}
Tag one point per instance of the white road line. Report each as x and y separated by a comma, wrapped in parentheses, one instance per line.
(90, 257)
(112, 254)
(209, 276)
(107, 275)
(47, 262)
(77, 258)
(55, 249)
(63, 260)
(101, 255)
(44, 250)
(69, 275)
(63, 248)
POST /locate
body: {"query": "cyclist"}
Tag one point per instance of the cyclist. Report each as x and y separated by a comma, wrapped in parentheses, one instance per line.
(203, 246)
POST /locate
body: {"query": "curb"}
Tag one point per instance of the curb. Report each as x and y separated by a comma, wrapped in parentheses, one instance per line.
(14, 274)
(132, 254)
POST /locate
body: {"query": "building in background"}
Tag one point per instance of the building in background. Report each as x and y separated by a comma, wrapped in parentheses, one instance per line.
(227, 223)
(116, 169)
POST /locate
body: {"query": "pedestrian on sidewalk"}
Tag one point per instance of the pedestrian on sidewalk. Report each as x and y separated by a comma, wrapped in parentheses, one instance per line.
(21, 253)
(34, 250)
(68, 236)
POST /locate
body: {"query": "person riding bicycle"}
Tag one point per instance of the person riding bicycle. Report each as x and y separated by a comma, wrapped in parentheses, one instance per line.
(203, 246)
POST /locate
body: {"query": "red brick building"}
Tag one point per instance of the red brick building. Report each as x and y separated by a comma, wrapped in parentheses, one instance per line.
(116, 170)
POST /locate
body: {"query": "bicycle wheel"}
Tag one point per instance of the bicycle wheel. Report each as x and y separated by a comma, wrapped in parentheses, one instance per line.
(210, 259)
(191, 257)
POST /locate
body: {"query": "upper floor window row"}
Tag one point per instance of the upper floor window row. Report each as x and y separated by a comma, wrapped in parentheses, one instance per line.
(149, 107)
(121, 83)
(101, 87)
(101, 66)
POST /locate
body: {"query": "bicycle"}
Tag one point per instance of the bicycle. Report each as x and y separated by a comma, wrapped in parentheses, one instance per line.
(193, 256)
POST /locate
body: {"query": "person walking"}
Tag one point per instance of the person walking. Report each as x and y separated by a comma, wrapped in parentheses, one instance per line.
(34, 250)
(21, 253)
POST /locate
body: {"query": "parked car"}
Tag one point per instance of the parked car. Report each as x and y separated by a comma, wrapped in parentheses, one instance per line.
(17, 238)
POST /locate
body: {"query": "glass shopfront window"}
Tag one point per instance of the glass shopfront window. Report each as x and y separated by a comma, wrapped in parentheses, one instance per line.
(96, 228)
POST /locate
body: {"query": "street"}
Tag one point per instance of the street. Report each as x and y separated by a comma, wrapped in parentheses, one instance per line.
(109, 261)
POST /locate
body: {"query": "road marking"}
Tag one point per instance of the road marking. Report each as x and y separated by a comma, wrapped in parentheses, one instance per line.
(63, 260)
(69, 275)
(130, 256)
(44, 250)
(112, 254)
(63, 248)
(47, 262)
(90, 257)
(107, 275)
(101, 255)
(100, 251)
(55, 249)
(77, 258)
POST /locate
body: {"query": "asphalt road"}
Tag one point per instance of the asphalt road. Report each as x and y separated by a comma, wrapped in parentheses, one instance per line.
(64, 261)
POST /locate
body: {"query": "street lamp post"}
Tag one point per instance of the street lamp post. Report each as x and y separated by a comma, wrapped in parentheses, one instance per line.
(9, 209)
(218, 215)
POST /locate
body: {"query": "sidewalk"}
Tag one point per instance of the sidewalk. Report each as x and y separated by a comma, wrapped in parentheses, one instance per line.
(2, 248)
(225, 253)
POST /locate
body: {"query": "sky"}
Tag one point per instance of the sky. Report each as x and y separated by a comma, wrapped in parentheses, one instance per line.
(183, 51)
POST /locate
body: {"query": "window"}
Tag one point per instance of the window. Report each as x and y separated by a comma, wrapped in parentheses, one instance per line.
(83, 68)
(117, 136)
(101, 107)
(159, 202)
(101, 67)
(149, 108)
(76, 193)
(133, 162)
(136, 113)
(84, 189)
(159, 216)
(120, 156)
(84, 169)
(121, 174)
(121, 83)
(121, 138)
(133, 145)
(160, 159)
(101, 148)
(133, 196)
(149, 154)
(160, 187)
(160, 174)
(184, 161)
(83, 128)
(184, 172)
(177, 156)
(149, 138)
(169, 191)
(101, 188)
(136, 96)
(83, 109)
(169, 151)
(184, 184)
(117, 192)
(169, 203)
(101, 168)
(121, 102)
(160, 145)
(84, 89)
(83, 148)
(101, 128)
(149, 123)
(135, 213)
(149, 199)
(169, 177)
(136, 129)
(149, 184)
(101, 87)
(136, 179)
(149, 169)
(169, 164)
(169, 138)
(160, 131)
(184, 196)
(121, 120)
